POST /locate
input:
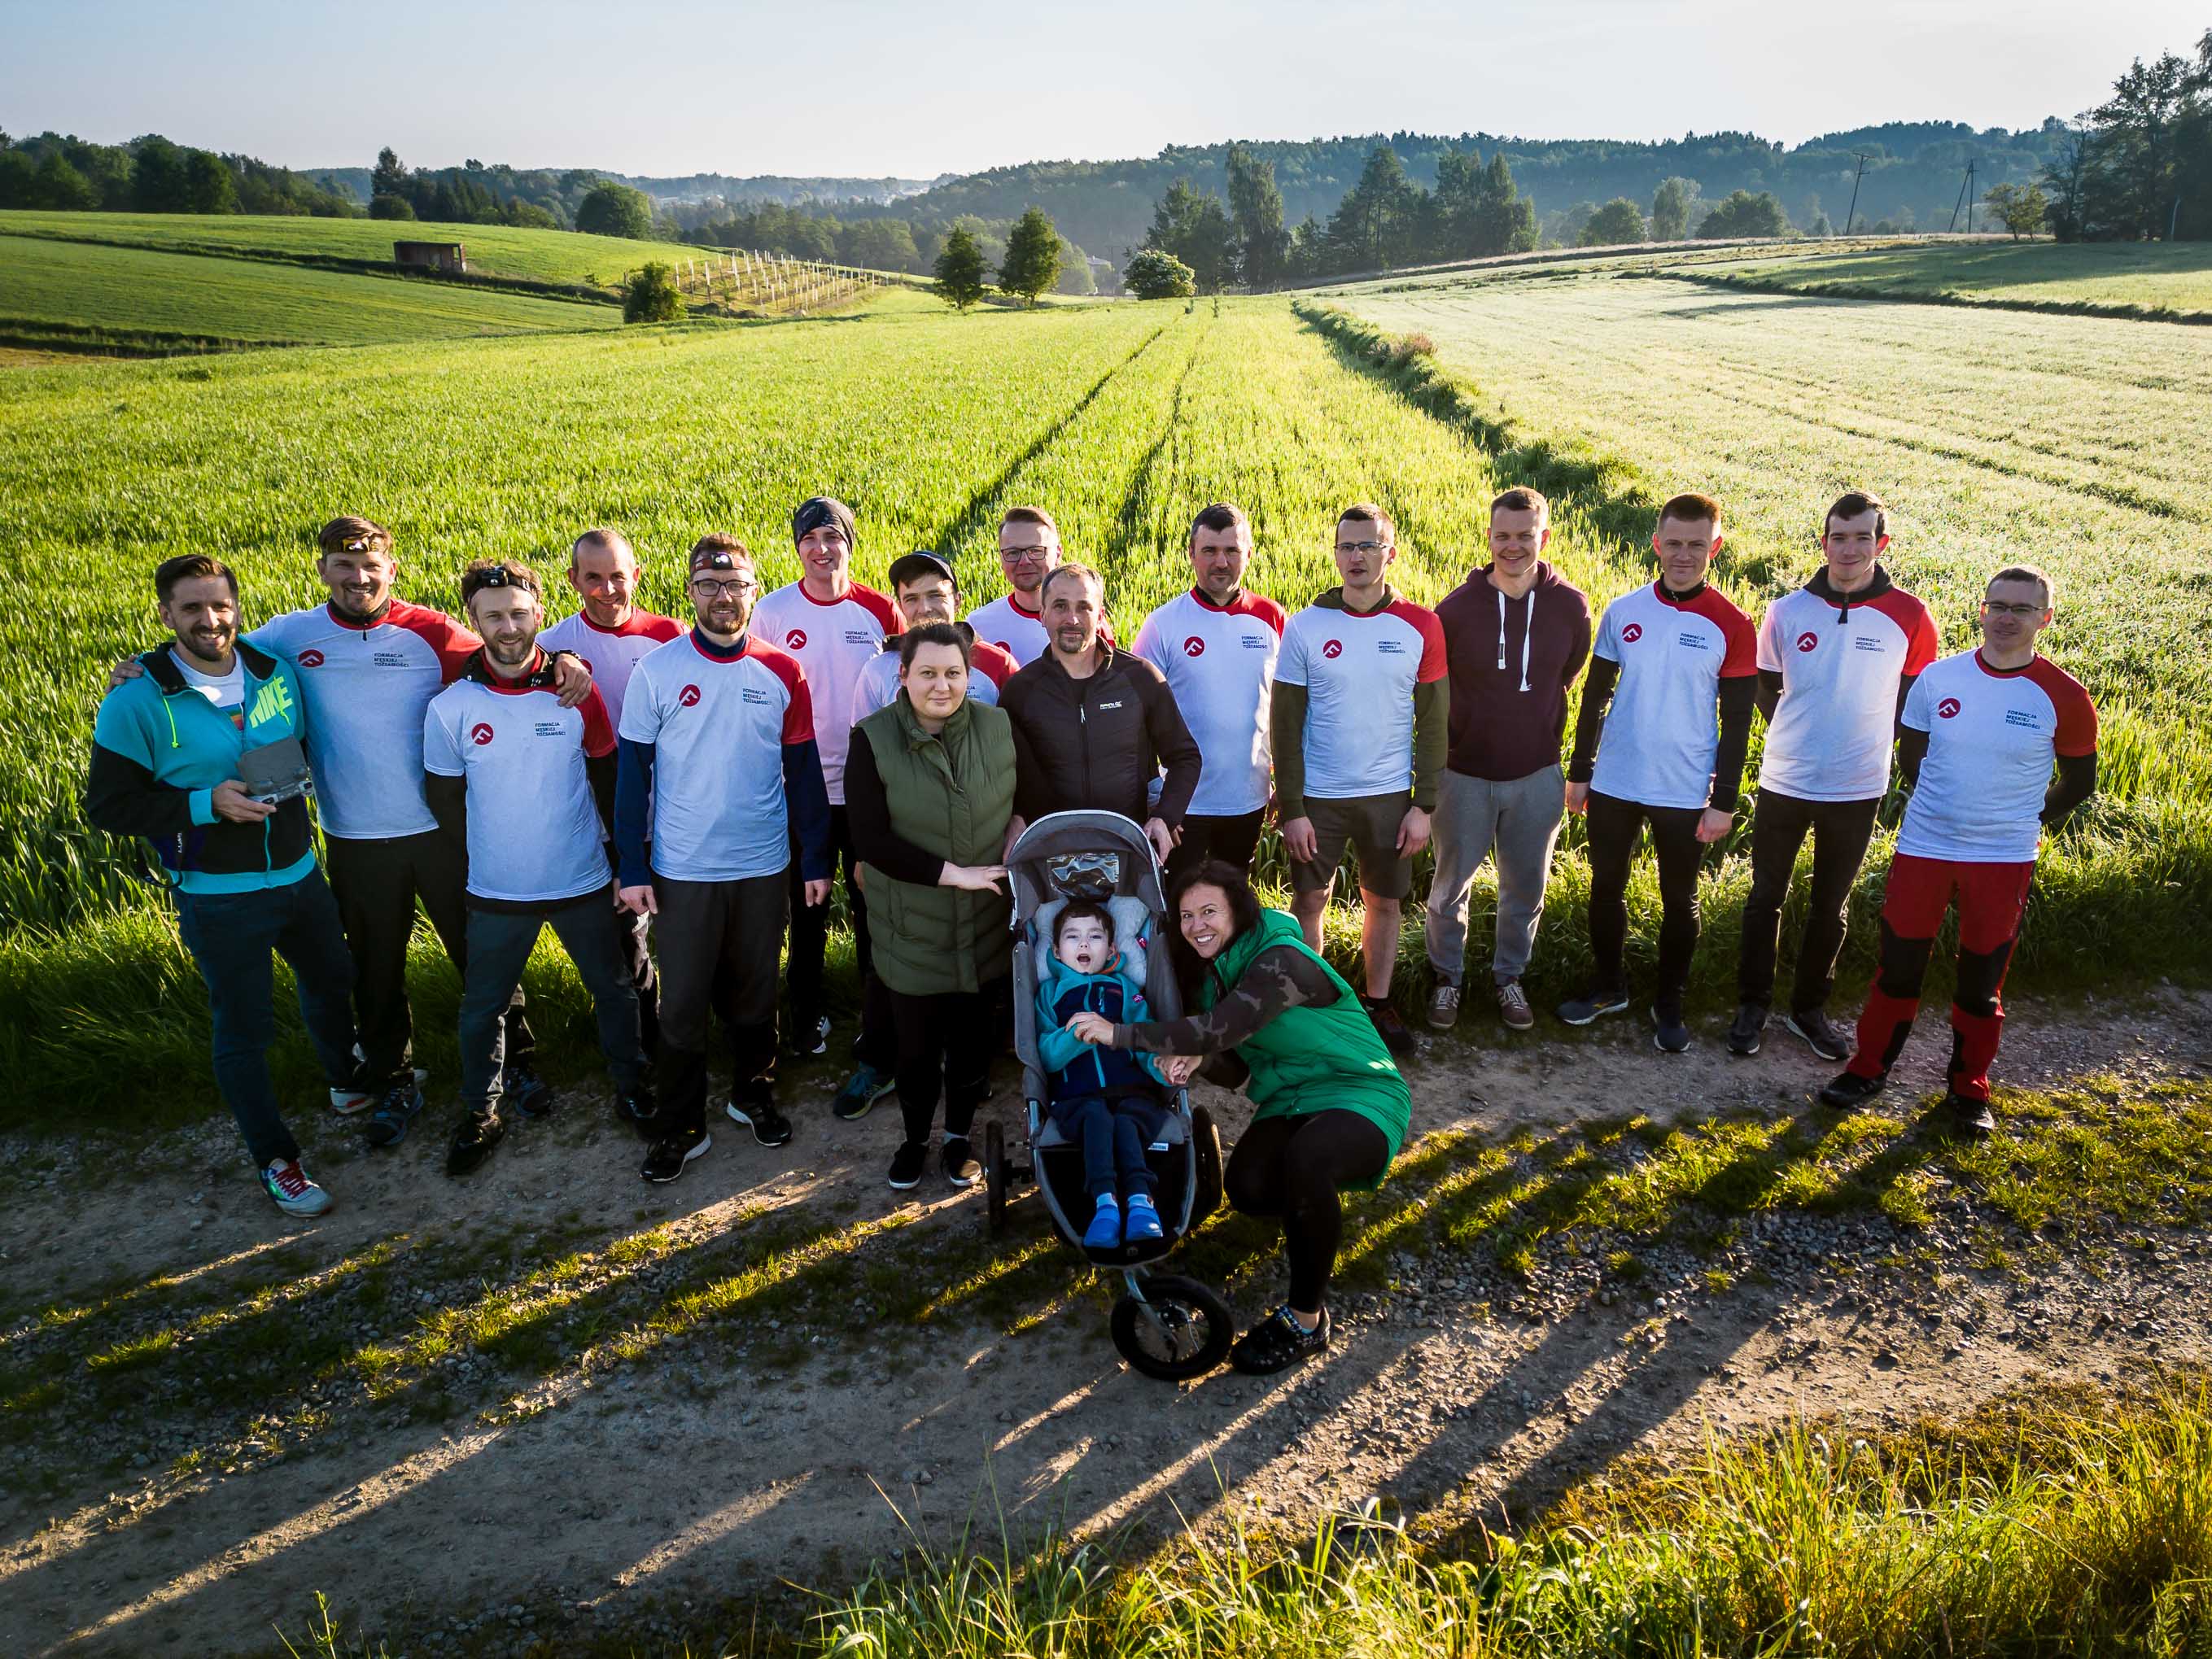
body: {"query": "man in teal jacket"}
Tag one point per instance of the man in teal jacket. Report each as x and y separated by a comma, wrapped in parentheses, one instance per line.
(166, 766)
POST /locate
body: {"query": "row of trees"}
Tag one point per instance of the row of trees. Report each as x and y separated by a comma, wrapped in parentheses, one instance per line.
(873, 243)
(1029, 268)
(151, 174)
(2139, 165)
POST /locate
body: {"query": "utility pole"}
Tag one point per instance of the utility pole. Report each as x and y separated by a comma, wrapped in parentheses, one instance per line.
(1964, 186)
(1853, 212)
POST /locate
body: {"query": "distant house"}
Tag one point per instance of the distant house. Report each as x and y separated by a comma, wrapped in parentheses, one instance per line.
(435, 256)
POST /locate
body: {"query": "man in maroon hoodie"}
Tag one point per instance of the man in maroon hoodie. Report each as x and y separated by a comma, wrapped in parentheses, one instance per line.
(1515, 635)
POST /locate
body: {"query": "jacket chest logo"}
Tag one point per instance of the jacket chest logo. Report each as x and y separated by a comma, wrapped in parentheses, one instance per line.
(275, 702)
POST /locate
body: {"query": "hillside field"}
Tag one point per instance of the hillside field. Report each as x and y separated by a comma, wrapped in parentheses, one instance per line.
(2152, 279)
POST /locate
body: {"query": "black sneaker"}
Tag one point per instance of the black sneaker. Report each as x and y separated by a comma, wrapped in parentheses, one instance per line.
(666, 1158)
(1848, 1089)
(908, 1163)
(1822, 1035)
(1392, 1029)
(1750, 1021)
(961, 1168)
(1591, 1005)
(524, 1089)
(810, 1038)
(1970, 1118)
(639, 1109)
(394, 1113)
(1276, 1342)
(473, 1141)
(862, 1090)
(770, 1127)
(1669, 1035)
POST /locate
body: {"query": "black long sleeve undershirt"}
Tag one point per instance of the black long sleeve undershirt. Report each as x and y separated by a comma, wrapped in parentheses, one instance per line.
(1737, 695)
(1589, 720)
(868, 813)
(2077, 782)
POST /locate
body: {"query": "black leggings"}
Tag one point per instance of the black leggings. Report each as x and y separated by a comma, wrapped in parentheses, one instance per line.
(1293, 1168)
(1613, 824)
(945, 1044)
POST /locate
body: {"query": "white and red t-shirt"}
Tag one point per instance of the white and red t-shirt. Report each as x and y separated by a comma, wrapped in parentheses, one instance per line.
(1993, 737)
(1840, 660)
(366, 687)
(1006, 623)
(1360, 671)
(1219, 661)
(534, 829)
(988, 670)
(833, 640)
(611, 654)
(1663, 724)
(719, 726)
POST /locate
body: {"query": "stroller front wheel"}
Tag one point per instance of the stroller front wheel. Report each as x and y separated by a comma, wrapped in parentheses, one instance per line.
(1181, 1329)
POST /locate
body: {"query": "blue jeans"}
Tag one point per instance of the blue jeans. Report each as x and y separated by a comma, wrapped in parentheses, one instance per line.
(1114, 1134)
(230, 936)
(500, 943)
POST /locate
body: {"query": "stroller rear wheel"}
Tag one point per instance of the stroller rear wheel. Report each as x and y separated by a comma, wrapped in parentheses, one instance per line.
(1179, 1330)
(995, 1175)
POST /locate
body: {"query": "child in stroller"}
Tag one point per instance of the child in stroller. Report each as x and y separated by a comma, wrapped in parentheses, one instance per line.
(1106, 1100)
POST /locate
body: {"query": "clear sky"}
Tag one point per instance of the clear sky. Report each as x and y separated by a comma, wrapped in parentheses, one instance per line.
(864, 89)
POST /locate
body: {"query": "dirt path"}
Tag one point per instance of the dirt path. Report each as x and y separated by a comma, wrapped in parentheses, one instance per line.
(642, 1460)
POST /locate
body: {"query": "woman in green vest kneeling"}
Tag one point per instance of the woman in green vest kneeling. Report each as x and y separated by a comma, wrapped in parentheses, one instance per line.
(1331, 1109)
(929, 790)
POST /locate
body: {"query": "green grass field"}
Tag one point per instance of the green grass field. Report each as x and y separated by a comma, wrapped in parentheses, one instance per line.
(2148, 277)
(85, 294)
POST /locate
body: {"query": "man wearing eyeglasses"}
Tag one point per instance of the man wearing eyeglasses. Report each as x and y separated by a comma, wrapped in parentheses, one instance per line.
(834, 627)
(1359, 720)
(526, 788)
(1028, 551)
(1981, 734)
(719, 768)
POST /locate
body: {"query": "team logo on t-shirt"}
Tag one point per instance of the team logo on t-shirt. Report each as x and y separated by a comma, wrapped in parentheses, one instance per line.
(1807, 641)
(311, 659)
(687, 697)
(480, 734)
(1002, 645)
(1334, 649)
(1193, 646)
(1948, 708)
(796, 639)
(1633, 632)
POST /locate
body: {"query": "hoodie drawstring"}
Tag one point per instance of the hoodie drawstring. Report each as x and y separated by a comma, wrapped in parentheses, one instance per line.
(1526, 637)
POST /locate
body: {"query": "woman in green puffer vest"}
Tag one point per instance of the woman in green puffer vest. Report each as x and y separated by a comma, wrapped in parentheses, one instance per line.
(1331, 1107)
(929, 790)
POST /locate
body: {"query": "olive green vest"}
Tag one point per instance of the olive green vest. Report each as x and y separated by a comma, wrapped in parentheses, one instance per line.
(1309, 1059)
(951, 794)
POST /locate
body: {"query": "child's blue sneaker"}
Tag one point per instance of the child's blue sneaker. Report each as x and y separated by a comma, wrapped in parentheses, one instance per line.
(1105, 1230)
(1143, 1224)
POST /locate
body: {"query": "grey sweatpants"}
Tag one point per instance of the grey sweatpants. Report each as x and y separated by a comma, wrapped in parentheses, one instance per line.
(1520, 821)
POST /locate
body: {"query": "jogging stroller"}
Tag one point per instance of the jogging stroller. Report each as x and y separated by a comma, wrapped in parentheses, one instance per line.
(1166, 1325)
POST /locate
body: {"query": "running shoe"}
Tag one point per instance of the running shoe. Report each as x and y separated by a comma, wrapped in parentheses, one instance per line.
(1443, 1005)
(811, 1037)
(638, 1109)
(1278, 1342)
(291, 1191)
(1970, 1118)
(1848, 1089)
(666, 1158)
(961, 1168)
(1591, 1005)
(1104, 1232)
(908, 1163)
(861, 1091)
(770, 1127)
(1513, 1006)
(1391, 1029)
(1670, 1034)
(359, 1092)
(1822, 1035)
(473, 1141)
(395, 1113)
(527, 1092)
(1142, 1224)
(1750, 1023)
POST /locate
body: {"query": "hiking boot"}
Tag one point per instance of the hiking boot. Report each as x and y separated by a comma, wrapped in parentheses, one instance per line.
(862, 1089)
(959, 1164)
(666, 1158)
(1750, 1023)
(291, 1191)
(908, 1163)
(1822, 1035)
(1513, 1006)
(770, 1127)
(395, 1112)
(1443, 1005)
(1592, 1006)
(1104, 1232)
(1142, 1224)
(1848, 1089)
(1388, 1026)
(472, 1142)
(639, 1109)
(521, 1088)
(1970, 1118)
(1670, 1035)
(1276, 1342)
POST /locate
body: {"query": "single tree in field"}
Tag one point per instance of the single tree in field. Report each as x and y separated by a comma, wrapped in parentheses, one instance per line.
(1672, 205)
(1155, 274)
(1618, 221)
(1256, 211)
(650, 295)
(613, 210)
(1743, 215)
(2021, 209)
(1032, 262)
(959, 269)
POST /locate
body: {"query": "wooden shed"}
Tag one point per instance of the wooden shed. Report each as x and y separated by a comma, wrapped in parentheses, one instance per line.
(436, 256)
